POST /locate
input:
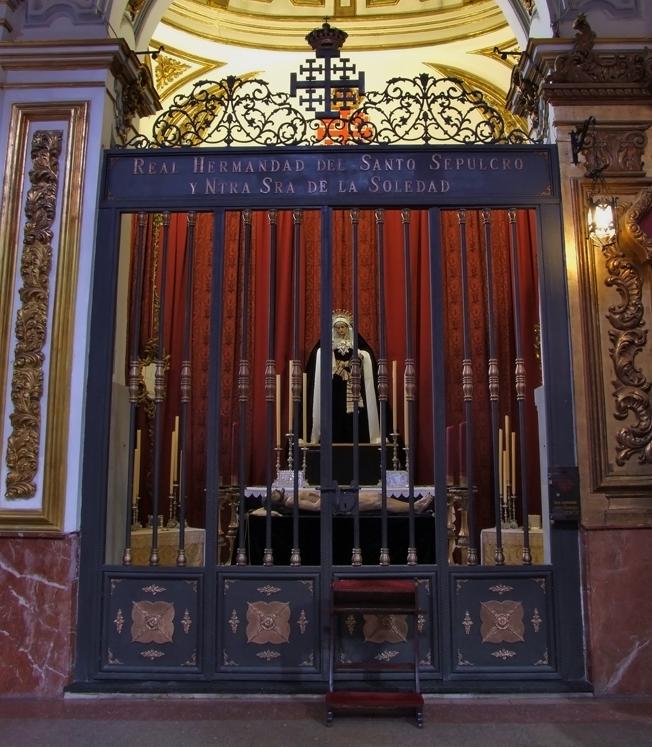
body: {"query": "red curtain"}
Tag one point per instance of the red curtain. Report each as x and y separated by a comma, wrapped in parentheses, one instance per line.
(257, 315)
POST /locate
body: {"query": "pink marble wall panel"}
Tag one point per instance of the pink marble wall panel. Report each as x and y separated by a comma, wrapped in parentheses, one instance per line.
(38, 601)
(618, 564)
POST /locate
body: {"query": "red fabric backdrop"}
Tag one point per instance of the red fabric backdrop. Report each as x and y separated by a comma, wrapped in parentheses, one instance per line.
(258, 311)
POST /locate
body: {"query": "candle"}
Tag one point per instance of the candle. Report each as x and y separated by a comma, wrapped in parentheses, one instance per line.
(462, 452)
(304, 412)
(394, 408)
(278, 411)
(406, 416)
(290, 423)
(513, 460)
(136, 482)
(500, 461)
(173, 453)
(452, 466)
(505, 474)
(176, 447)
(507, 442)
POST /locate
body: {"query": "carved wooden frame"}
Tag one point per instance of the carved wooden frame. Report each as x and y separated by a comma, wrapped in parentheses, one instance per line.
(614, 298)
(71, 120)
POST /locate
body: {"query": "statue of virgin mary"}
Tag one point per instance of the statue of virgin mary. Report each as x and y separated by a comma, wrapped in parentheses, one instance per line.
(342, 399)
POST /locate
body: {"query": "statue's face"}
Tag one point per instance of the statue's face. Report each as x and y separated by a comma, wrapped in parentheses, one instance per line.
(341, 329)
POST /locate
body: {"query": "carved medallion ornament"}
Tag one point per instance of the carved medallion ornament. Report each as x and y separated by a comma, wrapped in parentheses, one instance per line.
(23, 445)
(385, 628)
(501, 622)
(152, 622)
(268, 622)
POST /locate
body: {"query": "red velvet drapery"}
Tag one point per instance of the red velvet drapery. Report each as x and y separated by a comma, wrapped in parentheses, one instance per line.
(309, 292)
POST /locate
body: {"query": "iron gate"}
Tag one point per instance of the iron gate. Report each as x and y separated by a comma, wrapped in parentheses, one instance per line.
(214, 516)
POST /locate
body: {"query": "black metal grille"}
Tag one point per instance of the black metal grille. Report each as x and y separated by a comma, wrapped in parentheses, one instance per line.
(420, 110)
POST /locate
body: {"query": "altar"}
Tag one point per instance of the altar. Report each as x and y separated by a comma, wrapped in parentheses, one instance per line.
(369, 517)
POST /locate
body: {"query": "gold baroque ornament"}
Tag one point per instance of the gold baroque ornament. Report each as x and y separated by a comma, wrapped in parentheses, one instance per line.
(167, 69)
(23, 444)
(268, 622)
(628, 338)
(632, 219)
(152, 622)
(501, 621)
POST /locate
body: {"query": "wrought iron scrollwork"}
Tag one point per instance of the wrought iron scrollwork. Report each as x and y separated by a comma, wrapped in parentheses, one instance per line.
(423, 110)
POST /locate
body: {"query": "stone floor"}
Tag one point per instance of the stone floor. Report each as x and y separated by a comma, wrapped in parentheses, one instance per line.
(264, 721)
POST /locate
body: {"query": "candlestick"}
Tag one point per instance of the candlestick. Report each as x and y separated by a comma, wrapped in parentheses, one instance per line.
(394, 403)
(278, 410)
(304, 411)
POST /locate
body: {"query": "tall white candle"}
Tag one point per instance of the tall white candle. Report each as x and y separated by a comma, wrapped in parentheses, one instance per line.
(513, 460)
(278, 411)
(173, 459)
(406, 417)
(290, 397)
(394, 403)
(304, 410)
(500, 461)
(136, 481)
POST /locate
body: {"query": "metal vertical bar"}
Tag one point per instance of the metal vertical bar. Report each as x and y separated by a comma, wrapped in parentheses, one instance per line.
(409, 378)
(520, 382)
(382, 384)
(296, 374)
(211, 591)
(494, 381)
(134, 380)
(438, 335)
(467, 390)
(159, 390)
(270, 385)
(243, 384)
(185, 387)
(356, 554)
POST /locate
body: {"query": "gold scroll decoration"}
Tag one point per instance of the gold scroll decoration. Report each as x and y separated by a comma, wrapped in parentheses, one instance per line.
(501, 621)
(152, 622)
(23, 444)
(268, 622)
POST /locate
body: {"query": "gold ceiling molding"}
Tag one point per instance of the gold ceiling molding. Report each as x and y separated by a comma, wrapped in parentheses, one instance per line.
(508, 46)
(492, 94)
(372, 29)
(173, 68)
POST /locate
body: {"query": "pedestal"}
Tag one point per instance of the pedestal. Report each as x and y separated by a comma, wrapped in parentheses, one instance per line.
(168, 546)
(512, 546)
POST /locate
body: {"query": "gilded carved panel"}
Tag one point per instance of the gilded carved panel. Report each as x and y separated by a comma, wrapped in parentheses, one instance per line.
(270, 623)
(151, 623)
(503, 624)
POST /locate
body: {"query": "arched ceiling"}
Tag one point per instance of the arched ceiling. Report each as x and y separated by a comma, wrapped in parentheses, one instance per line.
(386, 38)
(371, 24)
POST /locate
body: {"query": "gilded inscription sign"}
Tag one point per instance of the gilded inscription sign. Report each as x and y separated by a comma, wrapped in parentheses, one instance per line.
(425, 176)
